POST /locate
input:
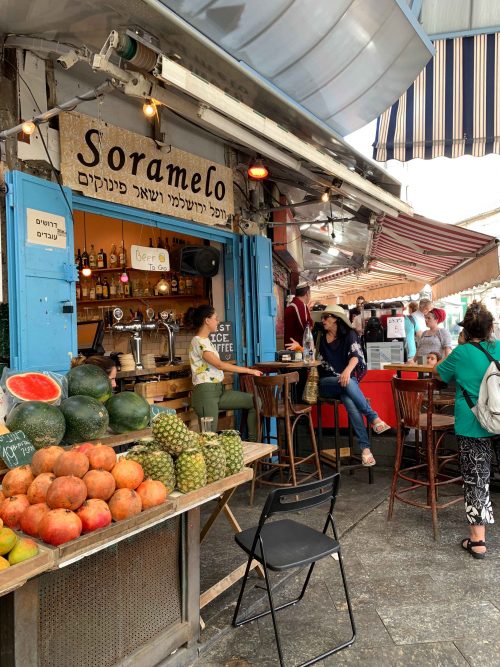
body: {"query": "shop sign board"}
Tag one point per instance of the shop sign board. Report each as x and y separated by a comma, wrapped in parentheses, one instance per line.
(107, 162)
(45, 228)
(149, 259)
(15, 449)
(223, 341)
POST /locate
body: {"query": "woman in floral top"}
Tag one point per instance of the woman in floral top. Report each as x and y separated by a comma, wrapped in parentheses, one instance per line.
(207, 371)
(342, 368)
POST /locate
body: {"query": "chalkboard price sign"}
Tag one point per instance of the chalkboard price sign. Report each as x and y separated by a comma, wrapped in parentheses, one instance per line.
(223, 341)
(158, 410)
(16, 449)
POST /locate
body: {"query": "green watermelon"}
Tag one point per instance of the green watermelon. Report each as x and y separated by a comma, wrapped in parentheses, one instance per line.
(43, 424)
(89, 380)
(86, 419)
(128, 412)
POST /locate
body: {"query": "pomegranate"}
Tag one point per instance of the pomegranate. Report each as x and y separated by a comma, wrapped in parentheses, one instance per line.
(94, 514)
(59, 526)
(102, 457)
(84, 447)
(125, 503)
(44, 459)
(17, 481)
(12, 509)
(152, 493)
(71, 463)
(2, 497)
(30, 520)
(128, 474)
(38, 488)
(66, 492)
(100, 484)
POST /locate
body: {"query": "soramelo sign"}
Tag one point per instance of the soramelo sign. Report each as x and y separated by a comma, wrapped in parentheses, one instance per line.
(110, 163)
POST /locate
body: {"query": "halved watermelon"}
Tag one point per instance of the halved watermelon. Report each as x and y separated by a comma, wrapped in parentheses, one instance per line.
(33, 387)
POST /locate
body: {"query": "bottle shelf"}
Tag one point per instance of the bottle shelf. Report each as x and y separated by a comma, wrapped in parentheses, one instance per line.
(116, 299)
(117, 269)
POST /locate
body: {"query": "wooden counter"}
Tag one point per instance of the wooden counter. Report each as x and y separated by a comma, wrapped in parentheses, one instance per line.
(155, 370)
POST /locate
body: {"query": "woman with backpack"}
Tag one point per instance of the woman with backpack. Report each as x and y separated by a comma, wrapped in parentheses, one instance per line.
(434, 339)
(467, 365)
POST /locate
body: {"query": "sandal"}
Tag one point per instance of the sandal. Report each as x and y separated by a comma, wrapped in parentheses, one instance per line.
(380, 427)
(468, 544)
(368, 460)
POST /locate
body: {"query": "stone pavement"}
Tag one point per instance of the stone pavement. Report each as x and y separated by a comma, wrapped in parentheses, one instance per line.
(416, 601)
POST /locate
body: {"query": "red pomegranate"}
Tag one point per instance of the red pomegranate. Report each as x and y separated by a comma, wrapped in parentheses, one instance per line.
(125, 503)
(66, 492)
(94, 514)
(59, 526)
(152, 493)
(12, 508)
(102, 457)
(2, 497)
(71, 463)
(38, 488)
(30, 520)
(17, 481)
(44, 459)
(84, 447)
(128, 474)
(100, 484)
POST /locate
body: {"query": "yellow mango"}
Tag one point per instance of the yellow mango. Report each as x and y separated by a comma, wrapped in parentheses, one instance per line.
(23, 549)
(7, 540)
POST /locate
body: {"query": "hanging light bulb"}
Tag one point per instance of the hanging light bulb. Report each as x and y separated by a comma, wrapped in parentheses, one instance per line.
(28, 127)
(325, 197)
(257, 171)
(124, 277)
(162, 285)
(149, 108)
(86, 271)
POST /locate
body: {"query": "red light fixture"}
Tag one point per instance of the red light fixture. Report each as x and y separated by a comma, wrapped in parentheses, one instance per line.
(257, 171)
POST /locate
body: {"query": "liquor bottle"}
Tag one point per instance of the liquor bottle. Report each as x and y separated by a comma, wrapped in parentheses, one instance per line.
(182, 284)
(102, 260)
(112, 287)
(122, 256)
(98, 288)
(189, 285)
(174, 284)
(168, 284)
(105, 289)
(92, 293)
(167, 245)
(92, 257)
(78, 291)
(126, 289)
(113, 257)
(85, 258)
(85, 290)
(151, 242)
(78, 260)
(160, 243)
(147, 288)
(308, 345)
(119, 289)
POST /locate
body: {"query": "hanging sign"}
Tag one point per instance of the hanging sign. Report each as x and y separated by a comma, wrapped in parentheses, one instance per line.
(395, 327)
(149, 259)
(15, 449)
(45, 228)
(110, 163)
(223, 340)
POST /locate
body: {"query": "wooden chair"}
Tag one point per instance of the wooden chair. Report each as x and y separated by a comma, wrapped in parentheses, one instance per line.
(272, 395)
(409, 397)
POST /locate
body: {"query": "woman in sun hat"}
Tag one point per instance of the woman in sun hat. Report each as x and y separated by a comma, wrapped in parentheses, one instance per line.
(434, 339)
(342, 369)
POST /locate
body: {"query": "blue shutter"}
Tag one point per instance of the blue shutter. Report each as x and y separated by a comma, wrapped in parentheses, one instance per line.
(41, 279)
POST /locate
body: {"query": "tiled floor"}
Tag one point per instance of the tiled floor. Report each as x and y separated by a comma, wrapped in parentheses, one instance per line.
(416, 601)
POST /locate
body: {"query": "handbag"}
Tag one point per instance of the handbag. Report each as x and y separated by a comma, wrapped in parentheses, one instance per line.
(311, 389)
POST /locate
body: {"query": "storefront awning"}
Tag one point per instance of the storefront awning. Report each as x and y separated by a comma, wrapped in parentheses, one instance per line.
(451, 109)
(407, 253)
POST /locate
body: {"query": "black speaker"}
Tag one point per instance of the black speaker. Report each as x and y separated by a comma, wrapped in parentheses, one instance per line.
(195, 260)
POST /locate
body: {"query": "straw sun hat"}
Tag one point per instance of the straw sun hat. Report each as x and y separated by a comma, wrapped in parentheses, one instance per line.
(336, 311)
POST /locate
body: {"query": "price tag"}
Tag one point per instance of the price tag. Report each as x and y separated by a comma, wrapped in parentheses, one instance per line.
(157, 410)
(16, 449)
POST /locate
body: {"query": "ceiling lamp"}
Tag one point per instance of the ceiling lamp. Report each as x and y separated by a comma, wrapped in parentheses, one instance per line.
(28, 127)
(325, 197)
(257, 171)
(86, 271)
(149, 108)
(162, 285)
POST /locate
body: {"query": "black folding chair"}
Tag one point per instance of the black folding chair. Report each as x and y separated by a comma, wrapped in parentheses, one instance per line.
(286, 544)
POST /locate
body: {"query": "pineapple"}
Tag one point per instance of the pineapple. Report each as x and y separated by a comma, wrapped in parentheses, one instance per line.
(138, 453)
(171, 434)
(215, 457)
(191, 470)
(231, 441)
(160, 466)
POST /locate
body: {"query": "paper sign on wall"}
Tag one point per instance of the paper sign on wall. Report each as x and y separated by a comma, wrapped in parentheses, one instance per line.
(395, 327)
(149, 259)
(45, 228)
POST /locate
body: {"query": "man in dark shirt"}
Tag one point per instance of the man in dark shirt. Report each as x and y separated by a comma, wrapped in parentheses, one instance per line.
(360, 300)
(297, 314)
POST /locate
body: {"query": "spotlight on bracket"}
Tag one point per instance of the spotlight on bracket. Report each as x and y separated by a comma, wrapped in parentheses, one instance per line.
(257, 171)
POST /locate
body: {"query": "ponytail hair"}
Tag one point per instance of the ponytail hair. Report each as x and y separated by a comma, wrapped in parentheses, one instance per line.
(194, 318)
(478, 322)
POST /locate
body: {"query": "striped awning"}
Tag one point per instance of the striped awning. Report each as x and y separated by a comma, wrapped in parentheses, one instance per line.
(408, 252)
(451, 109)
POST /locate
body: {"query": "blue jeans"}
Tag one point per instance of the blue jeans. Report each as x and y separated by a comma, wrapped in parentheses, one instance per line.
(355, 403)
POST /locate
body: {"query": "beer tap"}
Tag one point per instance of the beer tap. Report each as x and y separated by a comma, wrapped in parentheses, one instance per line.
(167, 320)
(135, 327)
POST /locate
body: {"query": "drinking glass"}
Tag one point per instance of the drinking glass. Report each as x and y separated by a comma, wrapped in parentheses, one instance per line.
(206, 424)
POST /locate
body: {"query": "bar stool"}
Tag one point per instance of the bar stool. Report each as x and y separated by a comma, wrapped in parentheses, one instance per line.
(409, 397)
(272, 395)
(332, 457)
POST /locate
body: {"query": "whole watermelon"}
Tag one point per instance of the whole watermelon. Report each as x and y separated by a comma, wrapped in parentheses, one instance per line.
(86, 419)
(89, 380)
(42, 423)
(128, 412)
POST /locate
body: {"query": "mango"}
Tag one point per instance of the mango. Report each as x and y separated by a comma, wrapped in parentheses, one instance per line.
(1, 523)
(4, 563)
(23, 549)
(7, 540)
